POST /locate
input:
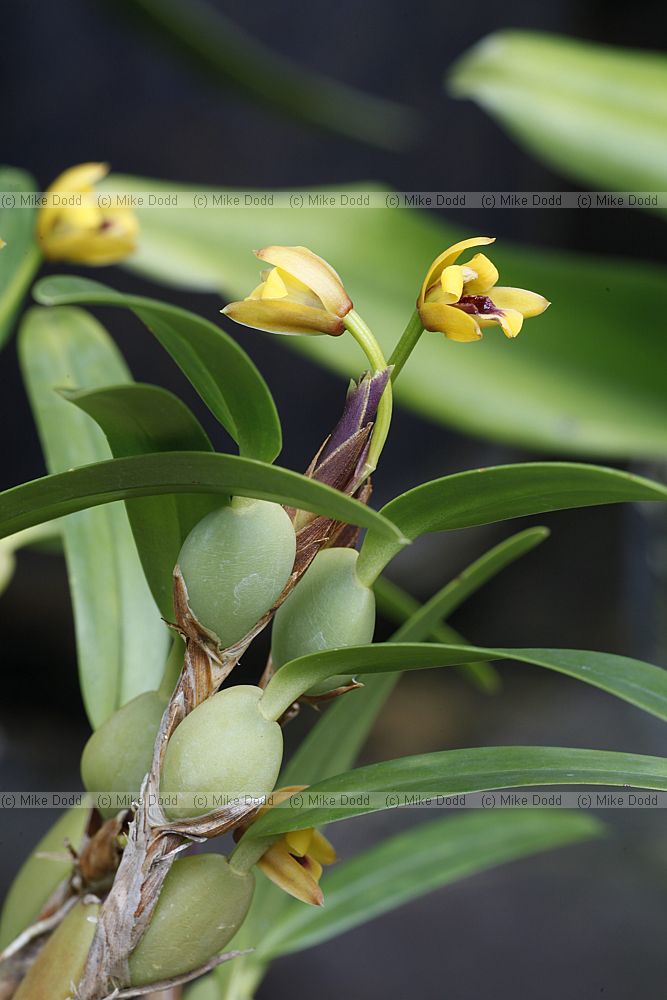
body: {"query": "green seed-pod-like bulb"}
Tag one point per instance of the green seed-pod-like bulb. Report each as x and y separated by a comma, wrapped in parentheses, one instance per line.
(225, 749)
(201, 905)
(235, 563)
(61, 961)
(118, 755)
(328, 608)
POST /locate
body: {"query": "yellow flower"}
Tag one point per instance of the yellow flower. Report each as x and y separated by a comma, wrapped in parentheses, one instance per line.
(300, 293)
(2, 243)
(294, 861)
(77, 230)
(458, 299)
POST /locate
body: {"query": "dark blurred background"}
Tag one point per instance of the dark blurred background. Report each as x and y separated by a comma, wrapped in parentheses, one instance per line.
(89, 81)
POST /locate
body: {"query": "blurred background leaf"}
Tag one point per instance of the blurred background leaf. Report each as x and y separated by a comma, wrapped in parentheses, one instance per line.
(20, 257)
(218, 46)
(554, 389)
(595, 113)
(121, 640)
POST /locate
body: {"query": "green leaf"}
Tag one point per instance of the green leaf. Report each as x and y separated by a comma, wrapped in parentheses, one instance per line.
(231, 55)
(333, 743)
(177, 472)
(594, 112)
(427, 617)
(20, 258)
(121, 641)
(558, 382)
(221, 371)
(138, 420)
(419, 861)
(483, 496)
(449, 772)
(397, 605)
(41, 874)
(641, 684)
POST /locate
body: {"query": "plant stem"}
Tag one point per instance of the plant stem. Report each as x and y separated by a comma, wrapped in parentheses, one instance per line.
(407, 343)
(247, 853)
(369, 345)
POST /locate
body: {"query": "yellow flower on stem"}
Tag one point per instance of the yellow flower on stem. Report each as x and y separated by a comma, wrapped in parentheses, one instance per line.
(458, 299)
(300, 293)
(294, 861)
(73, 226)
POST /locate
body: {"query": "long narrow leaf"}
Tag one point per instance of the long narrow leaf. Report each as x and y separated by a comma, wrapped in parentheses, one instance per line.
(221, 371)
(483, 496)
(20, 257)
(596, 113)
(333, 744)
(641, 684)
(234, 57)
(395, 604)
(121, 641)
(177, 472)
(419, 861)
(449, 772)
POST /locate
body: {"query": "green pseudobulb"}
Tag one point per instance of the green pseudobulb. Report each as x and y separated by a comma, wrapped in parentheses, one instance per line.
(39, 876)
(202, 904)
(61, 961)
(225, 747)
(327, 609)
(235, 564)
(118, 755)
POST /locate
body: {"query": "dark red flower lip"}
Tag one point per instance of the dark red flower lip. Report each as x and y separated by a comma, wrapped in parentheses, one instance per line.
(477, 305)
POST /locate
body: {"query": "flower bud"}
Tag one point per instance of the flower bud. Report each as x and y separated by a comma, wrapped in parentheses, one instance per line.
(41, 874)
(118, 755)
(201, 905)
(225, 749)
(328, 608)
(61, 961)
(76, 227)
(299, 294)
(235, 563)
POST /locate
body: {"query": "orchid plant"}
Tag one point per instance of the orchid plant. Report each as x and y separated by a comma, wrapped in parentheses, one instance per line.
(204, 550)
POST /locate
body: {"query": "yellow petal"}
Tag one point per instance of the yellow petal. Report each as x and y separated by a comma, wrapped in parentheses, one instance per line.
(312, 271)
(299, 841)
(89, 248)
(449, 287)
(487, 275)
(511, 321)
(450, 256)
(453, 322)
(273, 287)
(527, 303)
(291, 875)
(321, 849)
(283, 316)
(2, 243)
(80, 178)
